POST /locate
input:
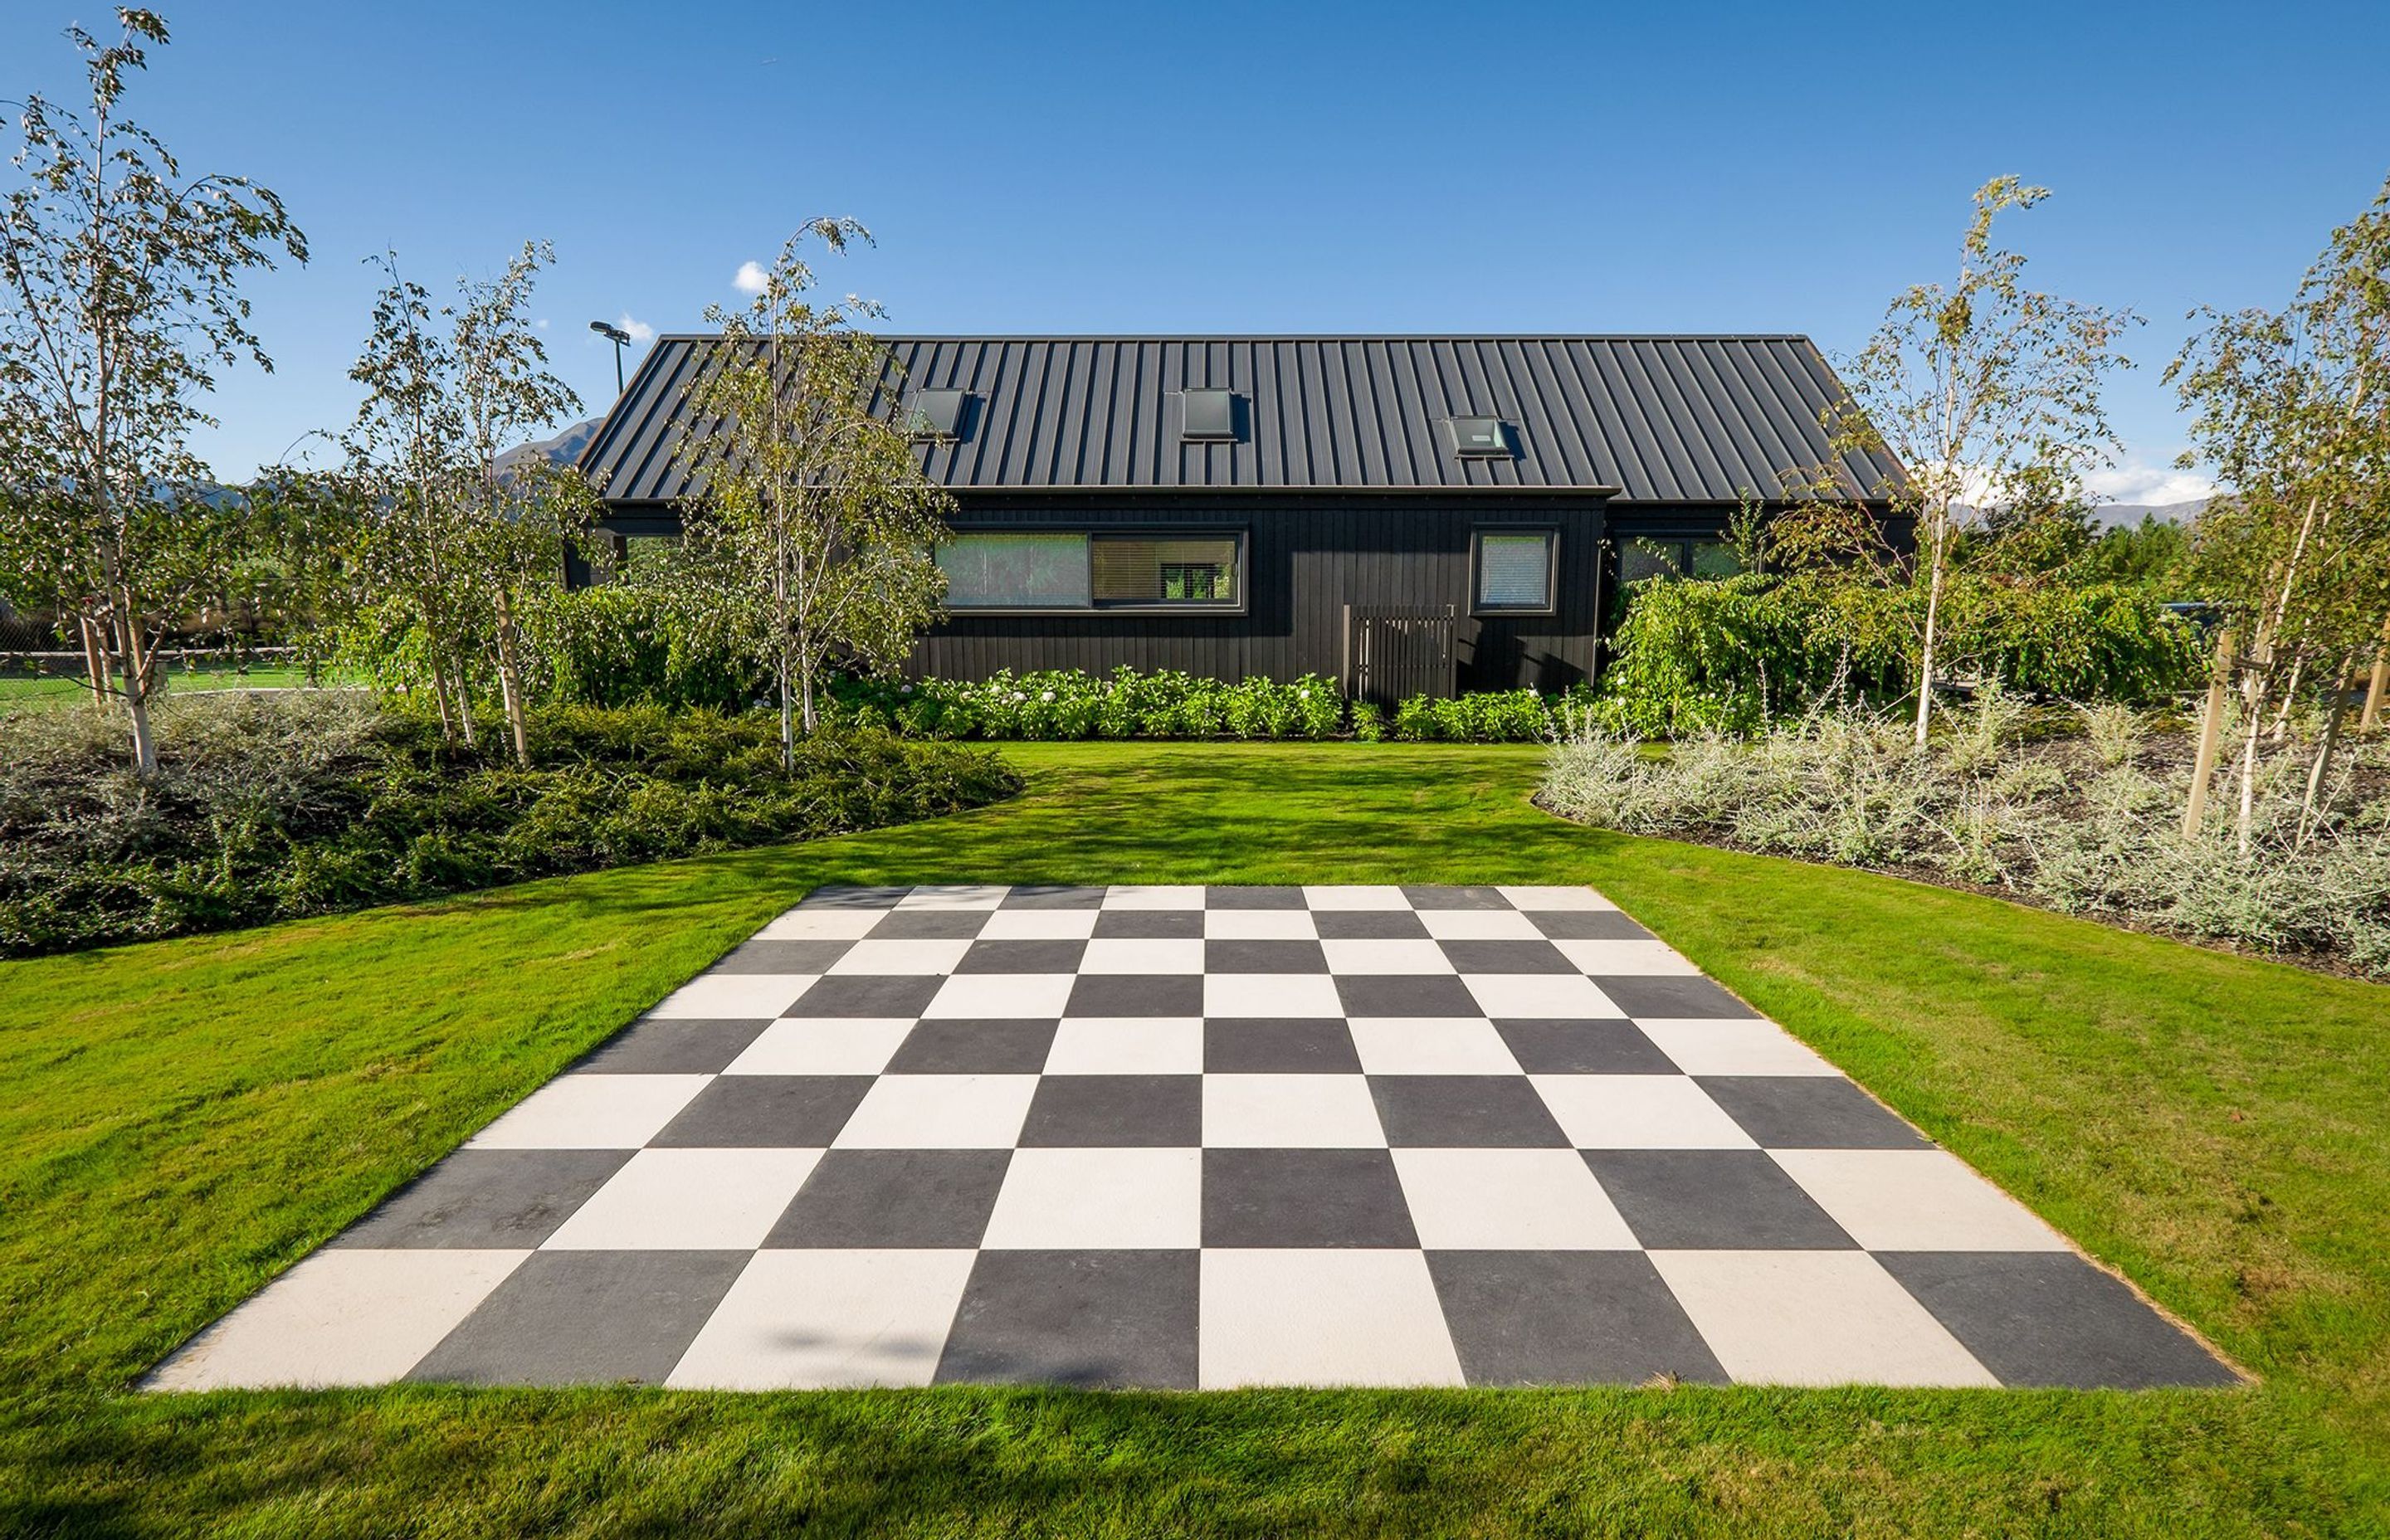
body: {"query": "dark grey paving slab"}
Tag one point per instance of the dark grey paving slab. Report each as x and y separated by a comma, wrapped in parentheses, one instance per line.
(1150, 925)
(844, 896)
(930, 925)
(489, 1199)
(1713, 1200)
(765, 1111)
(1178, 995)
(1463, 1112)
(1115, 1111)
(894, 1198)
(586, 1319)
(868, 994)
(1269, 1046)
(1088, 1318)
(1303, 1197)
(782, 957)
(957, 1047)
(1404, 994)
(1264, 956)
(1567, 1319)
(1368, 925)
(2051, 1318)
(1505, 956)
(1595, 1047)
(1666, 997)
(1022, 957)
(1810, 1112)
(1253, 898)
(1455, 898)
(1033, 896)
(1587, 924)
(664, 1045)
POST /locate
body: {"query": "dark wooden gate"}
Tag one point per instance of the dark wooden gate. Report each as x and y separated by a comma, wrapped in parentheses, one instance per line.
(1394, 651)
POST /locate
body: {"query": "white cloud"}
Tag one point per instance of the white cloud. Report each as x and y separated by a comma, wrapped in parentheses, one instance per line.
(750, 278)
(640, 331)
(541, 323)
(2138, 482)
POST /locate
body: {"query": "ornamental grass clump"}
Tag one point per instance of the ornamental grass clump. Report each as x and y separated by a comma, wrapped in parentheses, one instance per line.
(2079, 811)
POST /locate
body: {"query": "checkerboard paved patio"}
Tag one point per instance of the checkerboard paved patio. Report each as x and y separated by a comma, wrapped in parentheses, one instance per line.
(1198, 1138)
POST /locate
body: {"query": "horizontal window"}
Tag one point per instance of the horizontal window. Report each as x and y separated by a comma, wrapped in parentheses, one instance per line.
(1137, 569)
(1088, 570)
(1677, 555)
(1514, 569)
(1015, 571)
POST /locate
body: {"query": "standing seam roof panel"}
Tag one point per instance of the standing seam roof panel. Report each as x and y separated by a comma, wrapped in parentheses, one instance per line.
(1666, 420)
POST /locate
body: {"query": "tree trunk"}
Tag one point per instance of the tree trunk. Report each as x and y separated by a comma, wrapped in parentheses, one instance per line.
(440, 697)
(465, 710)
(2249, 768)
(136, 696)
(788, 718)
(1932, 618)
(510, 681)
(2312, 803)
(2281, 728)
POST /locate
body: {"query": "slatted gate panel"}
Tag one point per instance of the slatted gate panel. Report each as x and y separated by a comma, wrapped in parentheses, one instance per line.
(1393, 652)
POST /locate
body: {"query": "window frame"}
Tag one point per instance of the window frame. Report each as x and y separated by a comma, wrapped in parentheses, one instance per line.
(1477, 605)
(1223, 609)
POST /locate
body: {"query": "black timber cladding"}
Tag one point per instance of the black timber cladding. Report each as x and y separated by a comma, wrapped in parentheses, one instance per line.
(1661, 420)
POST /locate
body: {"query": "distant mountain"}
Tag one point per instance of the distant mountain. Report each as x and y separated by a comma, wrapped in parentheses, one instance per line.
(2111, 515)
(563, 449)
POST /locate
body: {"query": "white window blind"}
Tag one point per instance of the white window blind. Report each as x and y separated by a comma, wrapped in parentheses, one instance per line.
(1027, 570)
(1515, 571)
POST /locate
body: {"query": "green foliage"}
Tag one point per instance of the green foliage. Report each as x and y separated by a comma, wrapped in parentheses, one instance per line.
(1070, 704)
(619, 644)
(267, 808)
(1730, 655)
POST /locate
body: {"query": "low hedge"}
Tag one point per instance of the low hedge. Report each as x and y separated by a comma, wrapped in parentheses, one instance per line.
(1072, 703)
(265, 808)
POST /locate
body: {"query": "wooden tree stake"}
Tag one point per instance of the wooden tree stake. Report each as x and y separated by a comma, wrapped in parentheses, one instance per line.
(2377, 687)
(2211, 733)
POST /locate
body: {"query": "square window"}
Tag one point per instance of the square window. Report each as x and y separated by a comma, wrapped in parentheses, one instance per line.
(1641, 558)
(1514, 570)
(939, 414)
(1480, 438)
(1211, 416)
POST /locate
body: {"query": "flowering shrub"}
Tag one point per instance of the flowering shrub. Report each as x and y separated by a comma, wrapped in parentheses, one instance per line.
(1071, 704)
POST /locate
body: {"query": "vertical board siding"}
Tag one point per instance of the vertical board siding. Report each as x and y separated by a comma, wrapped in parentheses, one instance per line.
(1305, 563)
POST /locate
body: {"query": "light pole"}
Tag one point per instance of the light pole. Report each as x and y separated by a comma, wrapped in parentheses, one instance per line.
(617, 336)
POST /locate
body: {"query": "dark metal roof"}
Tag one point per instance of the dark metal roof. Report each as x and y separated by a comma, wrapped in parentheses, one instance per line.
(1656, 420)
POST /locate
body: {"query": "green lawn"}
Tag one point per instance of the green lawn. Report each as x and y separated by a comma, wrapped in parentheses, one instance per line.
(41, 692)
(184, 1119)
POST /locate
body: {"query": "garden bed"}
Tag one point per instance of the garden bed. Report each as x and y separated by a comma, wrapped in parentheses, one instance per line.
(269, 807)
(2085, 821)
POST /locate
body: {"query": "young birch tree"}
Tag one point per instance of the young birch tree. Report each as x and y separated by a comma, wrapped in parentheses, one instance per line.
(456, 542)
(2293, 410)
(814, 511)
(122, 278)
(1987, 393)
(516, 525)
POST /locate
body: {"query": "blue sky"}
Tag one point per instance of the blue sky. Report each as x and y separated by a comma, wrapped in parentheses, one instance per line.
(1240, 167)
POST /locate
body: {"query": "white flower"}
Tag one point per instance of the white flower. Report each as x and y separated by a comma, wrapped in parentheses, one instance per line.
(1302, 695)
(903, 689)
(1047, 696)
